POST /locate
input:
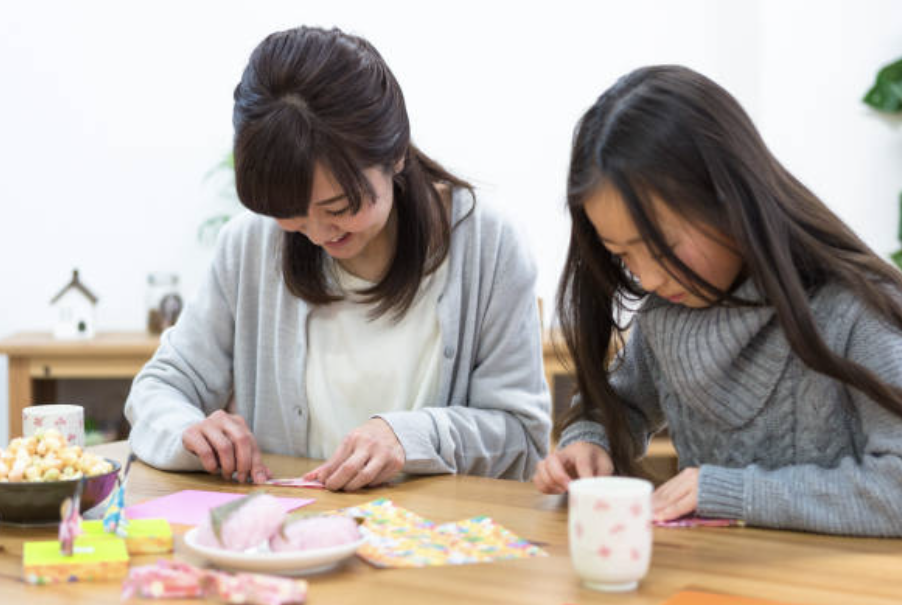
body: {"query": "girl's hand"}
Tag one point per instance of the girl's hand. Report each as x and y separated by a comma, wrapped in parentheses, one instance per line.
(577, 460)
(677, 497)
(369, 455)
(224, 444)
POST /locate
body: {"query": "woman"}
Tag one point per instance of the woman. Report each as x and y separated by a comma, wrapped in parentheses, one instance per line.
(369, 312)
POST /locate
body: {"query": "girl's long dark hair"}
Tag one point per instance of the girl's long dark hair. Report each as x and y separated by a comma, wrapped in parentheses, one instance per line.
(669, 133)
(308, 96)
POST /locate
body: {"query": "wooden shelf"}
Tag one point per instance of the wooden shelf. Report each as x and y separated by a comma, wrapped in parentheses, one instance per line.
(37, 356)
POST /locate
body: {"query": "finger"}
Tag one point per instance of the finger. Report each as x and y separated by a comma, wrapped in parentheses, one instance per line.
(348, 470)
(259, 472)
(388, 473)
(314, 475)
(672, 491)
(196, 443)
(586, 465)
(223, 447)
(679, 508)
(366, 475)
(328, 468)
(557, 473)
(243, 444)
(542, 481)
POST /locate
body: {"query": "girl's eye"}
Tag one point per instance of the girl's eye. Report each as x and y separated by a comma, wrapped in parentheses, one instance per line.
(339, 212)
(661, 256)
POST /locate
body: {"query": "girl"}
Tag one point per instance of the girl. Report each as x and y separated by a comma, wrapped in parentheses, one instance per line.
(369, 312)
(767, 337)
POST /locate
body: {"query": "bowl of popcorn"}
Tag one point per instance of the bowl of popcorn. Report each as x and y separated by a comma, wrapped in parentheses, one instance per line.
(40, 471)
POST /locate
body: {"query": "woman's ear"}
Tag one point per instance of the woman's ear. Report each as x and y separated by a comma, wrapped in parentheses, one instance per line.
(399, 165)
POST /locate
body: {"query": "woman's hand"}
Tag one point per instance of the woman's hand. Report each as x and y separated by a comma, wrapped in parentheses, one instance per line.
(677, 497)
(224, 444)
(369, 455)
(577, 460)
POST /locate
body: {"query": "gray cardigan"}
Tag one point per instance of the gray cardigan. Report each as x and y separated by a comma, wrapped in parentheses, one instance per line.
(777, 444)
(244, 336)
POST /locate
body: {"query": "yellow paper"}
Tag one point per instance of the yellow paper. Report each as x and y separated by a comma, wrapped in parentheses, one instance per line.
(94, 559)
(143, 536)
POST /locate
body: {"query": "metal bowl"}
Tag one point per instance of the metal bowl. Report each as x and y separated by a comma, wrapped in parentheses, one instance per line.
(39, 502)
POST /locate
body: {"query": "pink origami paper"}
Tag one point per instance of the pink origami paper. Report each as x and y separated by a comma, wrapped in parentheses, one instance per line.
(191, 507)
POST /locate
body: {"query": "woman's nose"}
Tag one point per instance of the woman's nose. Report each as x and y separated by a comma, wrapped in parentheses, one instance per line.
(651, 275)
(317, 231)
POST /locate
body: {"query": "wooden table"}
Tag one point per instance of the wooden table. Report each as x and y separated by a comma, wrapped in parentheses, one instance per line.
(37, 356)
(789, 566)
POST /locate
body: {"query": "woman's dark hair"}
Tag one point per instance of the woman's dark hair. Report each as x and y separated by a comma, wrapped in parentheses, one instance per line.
(309, 96)
(671, 134)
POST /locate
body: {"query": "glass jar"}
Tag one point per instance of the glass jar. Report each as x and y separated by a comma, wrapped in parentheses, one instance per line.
(164, 303)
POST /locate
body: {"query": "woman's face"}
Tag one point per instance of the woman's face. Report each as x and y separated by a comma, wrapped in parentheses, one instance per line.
(360, 242)
(708, 253)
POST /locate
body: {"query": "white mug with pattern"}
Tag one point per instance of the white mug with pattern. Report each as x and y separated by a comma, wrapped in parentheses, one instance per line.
(610, 528)
(69, 420)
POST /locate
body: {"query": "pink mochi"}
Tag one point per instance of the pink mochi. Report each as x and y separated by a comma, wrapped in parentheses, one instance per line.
(250, 524)
(315, 532)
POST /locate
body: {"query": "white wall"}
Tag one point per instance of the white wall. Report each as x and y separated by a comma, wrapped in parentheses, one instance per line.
(111, 115)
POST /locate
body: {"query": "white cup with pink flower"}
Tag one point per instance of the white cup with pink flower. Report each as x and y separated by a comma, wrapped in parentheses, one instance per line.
(610, 530)
(69, 420)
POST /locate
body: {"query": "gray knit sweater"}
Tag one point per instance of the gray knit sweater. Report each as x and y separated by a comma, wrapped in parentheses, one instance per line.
(777, 444)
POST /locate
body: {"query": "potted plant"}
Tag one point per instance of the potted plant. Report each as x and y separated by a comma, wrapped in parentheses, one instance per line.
(885, 96)
(224, 173)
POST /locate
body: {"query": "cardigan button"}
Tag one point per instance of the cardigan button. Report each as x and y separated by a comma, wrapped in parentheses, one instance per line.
(449, 352)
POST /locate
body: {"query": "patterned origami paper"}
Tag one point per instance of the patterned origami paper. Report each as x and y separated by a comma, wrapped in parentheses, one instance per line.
(397, 537)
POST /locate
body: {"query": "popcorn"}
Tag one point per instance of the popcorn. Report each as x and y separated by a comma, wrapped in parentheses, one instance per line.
(46, 456)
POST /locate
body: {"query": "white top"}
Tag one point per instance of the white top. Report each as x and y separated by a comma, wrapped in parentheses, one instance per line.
(358, 367)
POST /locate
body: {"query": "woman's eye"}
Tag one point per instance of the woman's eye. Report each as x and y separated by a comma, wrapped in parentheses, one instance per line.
(339, 212)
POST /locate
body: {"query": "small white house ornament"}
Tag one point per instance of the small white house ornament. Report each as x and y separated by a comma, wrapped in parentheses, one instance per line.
(74, 310)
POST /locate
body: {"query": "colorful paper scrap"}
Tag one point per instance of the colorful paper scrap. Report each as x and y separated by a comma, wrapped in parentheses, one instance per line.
(700, 522)
(173, 580)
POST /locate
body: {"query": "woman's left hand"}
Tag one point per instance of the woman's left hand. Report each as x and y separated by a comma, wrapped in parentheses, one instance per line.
(677, 497)
(369, 455)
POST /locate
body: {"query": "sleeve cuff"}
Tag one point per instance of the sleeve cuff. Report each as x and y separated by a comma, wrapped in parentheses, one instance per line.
(417, 432)
(585, 430)
(721, 492)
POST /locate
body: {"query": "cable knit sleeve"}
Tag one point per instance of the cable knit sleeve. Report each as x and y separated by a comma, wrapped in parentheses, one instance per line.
(633, 380)
(858, 496)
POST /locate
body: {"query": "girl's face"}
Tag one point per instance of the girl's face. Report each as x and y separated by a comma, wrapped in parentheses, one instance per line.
(702, 249)
(360, 242)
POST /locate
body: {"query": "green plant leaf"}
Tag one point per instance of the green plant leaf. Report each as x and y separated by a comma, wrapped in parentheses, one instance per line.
(209, 229)
(886, 93)
(897, 258)
(226, 164)
(900, 218)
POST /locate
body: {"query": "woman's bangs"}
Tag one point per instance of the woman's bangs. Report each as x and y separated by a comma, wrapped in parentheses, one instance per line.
(274, 166)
